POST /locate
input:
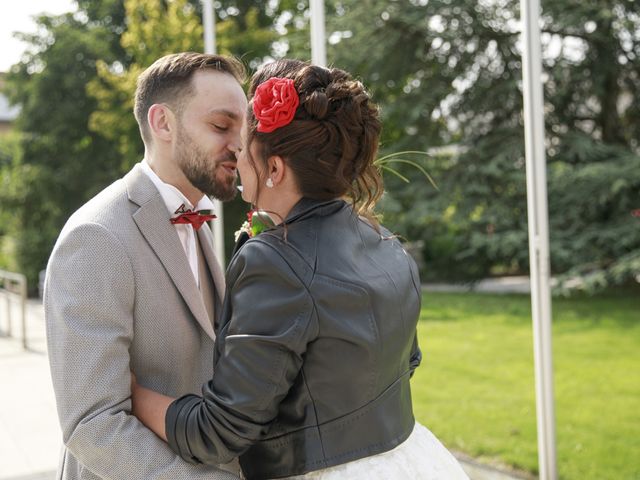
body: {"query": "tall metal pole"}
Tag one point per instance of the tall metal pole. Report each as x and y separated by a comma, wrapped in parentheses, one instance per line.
(538, 236)
(8, 299)
(318, 36)
(210, 47)
(209, 27)
(23, 309)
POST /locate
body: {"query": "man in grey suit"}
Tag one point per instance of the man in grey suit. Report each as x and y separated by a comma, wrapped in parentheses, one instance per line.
(133, 283)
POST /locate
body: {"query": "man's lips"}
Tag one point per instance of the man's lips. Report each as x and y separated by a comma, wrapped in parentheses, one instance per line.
(230, 167)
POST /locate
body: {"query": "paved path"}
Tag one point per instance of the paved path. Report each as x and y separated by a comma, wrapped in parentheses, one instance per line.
(30, 437)
(29, 433)
(519, 284)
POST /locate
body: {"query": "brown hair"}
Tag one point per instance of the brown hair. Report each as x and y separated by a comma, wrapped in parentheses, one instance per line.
(332, 142)
(168, 80)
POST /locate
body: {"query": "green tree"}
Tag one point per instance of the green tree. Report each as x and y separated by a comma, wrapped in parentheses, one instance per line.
(62, 163)
(75, 87)
(593, 104)
(449, 71)
(12, 179)
(154, 28)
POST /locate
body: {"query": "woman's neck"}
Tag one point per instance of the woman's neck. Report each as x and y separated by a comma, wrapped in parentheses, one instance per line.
(278, 205)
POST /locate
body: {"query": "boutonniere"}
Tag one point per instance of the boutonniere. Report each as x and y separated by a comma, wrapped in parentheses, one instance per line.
(257, 221)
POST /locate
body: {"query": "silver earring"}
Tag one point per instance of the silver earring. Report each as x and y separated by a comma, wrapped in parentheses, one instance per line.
(269, 182)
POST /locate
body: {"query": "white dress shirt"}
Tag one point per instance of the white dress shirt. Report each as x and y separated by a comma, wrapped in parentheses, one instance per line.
(174, 199)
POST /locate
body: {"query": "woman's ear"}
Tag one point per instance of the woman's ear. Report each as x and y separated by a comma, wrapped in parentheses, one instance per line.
(161, 120)
(276, 169)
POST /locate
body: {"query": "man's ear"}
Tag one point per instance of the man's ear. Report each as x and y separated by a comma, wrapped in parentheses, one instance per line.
(161, 121)
(276, 169)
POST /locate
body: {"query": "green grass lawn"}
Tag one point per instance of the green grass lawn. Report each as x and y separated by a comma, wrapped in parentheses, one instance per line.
(475, 389)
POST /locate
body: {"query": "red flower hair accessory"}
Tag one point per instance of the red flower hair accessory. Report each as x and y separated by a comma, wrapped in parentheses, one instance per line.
(275, 103)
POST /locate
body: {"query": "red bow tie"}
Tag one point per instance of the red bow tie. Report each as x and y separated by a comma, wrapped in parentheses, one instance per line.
(190, 217)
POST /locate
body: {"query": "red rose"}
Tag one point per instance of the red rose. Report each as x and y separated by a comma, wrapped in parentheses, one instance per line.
(275, 103)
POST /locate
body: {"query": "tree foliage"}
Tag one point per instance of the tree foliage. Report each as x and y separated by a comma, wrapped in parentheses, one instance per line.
(62, 163)
(449, 72)
(448, 77)
(154, 29)
(12, 183)
(75, 87)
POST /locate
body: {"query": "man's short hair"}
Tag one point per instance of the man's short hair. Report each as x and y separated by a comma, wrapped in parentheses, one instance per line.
(168, 80)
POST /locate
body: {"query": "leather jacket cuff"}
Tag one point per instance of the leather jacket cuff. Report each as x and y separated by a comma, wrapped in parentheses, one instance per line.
(175, 422)
(415, 361)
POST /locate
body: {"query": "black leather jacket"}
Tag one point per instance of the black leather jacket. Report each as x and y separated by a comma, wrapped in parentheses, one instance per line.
(315, 348)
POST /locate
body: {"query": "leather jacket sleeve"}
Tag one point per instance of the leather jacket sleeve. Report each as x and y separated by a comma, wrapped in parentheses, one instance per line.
(416, 356)
(260, 352)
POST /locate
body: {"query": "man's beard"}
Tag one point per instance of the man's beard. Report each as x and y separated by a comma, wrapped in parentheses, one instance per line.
(201, 171)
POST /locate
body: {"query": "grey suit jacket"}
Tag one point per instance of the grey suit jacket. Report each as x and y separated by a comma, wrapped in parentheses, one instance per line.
(120, 296)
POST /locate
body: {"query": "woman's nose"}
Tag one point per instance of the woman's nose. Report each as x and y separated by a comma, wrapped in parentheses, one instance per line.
(235, 148)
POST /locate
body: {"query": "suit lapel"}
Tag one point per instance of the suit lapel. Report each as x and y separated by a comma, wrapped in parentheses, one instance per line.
(206, 243)
(152, 219)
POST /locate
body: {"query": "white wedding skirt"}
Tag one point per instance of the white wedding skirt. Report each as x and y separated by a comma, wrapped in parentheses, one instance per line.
(420, 457)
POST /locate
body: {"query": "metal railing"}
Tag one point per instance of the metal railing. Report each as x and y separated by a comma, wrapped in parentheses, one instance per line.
(13, 287)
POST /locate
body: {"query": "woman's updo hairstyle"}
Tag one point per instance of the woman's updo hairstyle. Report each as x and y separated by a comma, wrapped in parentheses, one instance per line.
(332, 141)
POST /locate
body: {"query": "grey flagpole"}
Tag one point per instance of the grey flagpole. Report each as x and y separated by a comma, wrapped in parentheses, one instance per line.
(538, 236)
(318, 36)
(210, 47)
(209, 27)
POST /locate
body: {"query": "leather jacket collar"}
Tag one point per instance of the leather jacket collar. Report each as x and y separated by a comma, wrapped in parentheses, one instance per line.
(307, 207)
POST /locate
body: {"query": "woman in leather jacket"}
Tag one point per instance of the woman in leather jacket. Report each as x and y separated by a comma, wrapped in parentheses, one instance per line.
(317, 339)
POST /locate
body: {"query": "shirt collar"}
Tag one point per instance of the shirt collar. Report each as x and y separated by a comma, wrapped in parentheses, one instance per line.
(174, 198)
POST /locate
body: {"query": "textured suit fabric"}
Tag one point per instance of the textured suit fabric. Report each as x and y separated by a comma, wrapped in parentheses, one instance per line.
(120, 297)
(207, 288)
